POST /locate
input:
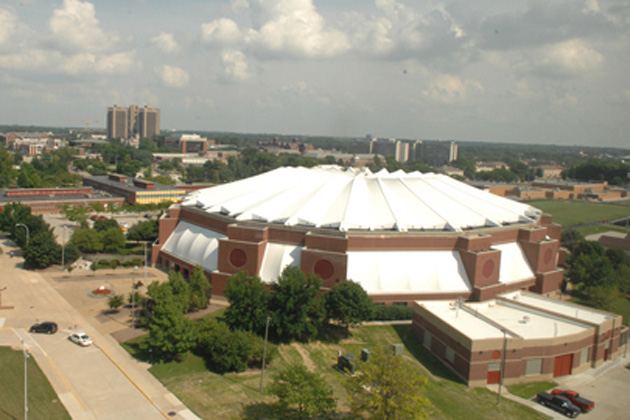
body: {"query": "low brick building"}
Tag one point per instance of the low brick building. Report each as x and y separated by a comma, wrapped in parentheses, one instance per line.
(524, 336)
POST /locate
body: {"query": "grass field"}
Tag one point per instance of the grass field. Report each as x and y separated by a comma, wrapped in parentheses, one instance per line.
(236, 395)
(528, 391)
(575, 212)
(42, 400)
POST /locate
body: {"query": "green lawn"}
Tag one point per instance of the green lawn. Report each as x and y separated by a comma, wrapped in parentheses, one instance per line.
(42, 400)
(236, 395)
(575, 212)
(529, 390)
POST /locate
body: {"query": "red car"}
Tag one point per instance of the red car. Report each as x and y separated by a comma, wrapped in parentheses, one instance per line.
(583, 404)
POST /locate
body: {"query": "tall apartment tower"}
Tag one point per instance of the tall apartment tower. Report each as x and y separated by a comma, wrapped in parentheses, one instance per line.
(149, 122)
(117, 122)
(128, 123)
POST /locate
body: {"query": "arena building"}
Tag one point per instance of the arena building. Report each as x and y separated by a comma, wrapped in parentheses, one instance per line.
(403, 236)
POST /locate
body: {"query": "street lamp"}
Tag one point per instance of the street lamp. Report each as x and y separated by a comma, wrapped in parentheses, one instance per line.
(25, 227)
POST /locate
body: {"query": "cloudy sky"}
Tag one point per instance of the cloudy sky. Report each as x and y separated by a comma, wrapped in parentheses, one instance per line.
(555, 72)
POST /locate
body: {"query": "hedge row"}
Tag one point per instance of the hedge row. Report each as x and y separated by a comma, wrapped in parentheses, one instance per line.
(391, 313)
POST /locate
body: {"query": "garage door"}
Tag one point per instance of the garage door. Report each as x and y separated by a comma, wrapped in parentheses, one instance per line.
(563, 365)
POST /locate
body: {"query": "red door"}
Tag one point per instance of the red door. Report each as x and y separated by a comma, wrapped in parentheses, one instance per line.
(562, 365)
(605, 354)
(494, 376)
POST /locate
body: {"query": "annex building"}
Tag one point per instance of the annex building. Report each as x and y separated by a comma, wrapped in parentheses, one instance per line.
(403, 236)
(526, 336)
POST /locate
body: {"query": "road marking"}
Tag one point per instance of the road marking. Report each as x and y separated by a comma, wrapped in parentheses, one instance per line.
(131, 380)
(53, 366)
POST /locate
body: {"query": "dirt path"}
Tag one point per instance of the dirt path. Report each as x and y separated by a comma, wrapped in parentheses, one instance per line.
(306, 358)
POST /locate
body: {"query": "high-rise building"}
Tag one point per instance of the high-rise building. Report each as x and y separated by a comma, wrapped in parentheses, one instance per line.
(149, 122)
(132, 122)
(117, 122)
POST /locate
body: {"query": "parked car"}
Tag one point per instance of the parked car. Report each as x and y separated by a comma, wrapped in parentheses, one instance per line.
(94, 218)
(44, 327)
(558, 403)
(80, 338)
(582, 403)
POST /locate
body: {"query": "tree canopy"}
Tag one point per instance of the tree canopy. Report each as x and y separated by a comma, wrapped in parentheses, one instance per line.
(348, 303)
(249, 299)
(387, 389)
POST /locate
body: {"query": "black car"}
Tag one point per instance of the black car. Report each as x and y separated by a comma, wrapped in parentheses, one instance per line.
(44, 327)
(558, 403)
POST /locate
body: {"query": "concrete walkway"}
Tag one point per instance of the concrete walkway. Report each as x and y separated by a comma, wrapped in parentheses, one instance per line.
(607, 385)
(98, 382)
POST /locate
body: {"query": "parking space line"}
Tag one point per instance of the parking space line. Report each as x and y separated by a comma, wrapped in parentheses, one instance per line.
(131, 380)
(53, 366)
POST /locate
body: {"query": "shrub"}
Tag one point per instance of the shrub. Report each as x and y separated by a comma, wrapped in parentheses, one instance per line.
(391, 313)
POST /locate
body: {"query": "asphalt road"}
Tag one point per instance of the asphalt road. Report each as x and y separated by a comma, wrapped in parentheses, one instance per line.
(98, 382)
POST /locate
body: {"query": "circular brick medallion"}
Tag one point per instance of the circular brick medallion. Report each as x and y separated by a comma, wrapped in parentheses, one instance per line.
(496, 354)
(488, 268)
(238, 258)
(324, 269)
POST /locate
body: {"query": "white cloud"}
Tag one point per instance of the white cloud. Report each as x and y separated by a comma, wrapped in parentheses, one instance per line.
(234, 66)
(221, 32)
(75, 28)
(173, 76)
(293, 28)
(166, 42)
(103, 64)
(450, 89)
(573, 56)
(8, 22)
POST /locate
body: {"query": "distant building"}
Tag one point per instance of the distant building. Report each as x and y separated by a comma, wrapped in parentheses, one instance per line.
(31, 143)
(189, 143)
(433, 152)
(51, 200)
(133, 122)
(135, 190)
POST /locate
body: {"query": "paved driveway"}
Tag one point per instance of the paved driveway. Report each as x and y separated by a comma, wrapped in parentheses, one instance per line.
(97, 382)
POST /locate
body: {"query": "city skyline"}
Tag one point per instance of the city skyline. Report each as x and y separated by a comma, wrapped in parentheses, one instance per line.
(494, 71)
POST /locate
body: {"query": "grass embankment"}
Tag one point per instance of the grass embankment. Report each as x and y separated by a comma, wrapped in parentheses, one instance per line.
(43, 402)
(529, 390)
(236, 395)
(576, 212)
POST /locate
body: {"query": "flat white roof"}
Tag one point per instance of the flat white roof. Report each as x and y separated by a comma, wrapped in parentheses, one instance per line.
(582, 313)
(480, 320)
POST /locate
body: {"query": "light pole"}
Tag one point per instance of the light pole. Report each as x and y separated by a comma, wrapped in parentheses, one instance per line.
(25, 227)
(133, 297)
(144, 263)
(26, 356)
(262, 369)
(63, 248)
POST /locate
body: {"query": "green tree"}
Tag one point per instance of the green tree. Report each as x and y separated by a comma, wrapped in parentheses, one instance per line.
(170, 332)
(297, 313)
(116, 301)
(7, 173)
(589, 267)
(179, 289)
(296, 386)
(249, 300)
(387, 389)
(42, 250)
(200, 289)
(113, 239)
(571, 238)
(143, 231)
(348, 303)
(103, 225)
(87, 240)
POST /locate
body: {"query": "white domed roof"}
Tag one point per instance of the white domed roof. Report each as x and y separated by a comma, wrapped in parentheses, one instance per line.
(350, 199)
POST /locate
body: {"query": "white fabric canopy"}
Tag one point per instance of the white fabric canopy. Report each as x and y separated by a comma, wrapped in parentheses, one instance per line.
(387, 272)
(514, 264)
(350, 199)
(194, 244)
(278, 257)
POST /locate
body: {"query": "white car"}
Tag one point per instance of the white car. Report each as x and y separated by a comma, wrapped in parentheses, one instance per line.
(80, 338)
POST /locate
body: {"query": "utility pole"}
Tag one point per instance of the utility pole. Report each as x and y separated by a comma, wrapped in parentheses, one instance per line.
(26, 356)
(25, 227)
(63, 248)
(502, 365)
(262, 369)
